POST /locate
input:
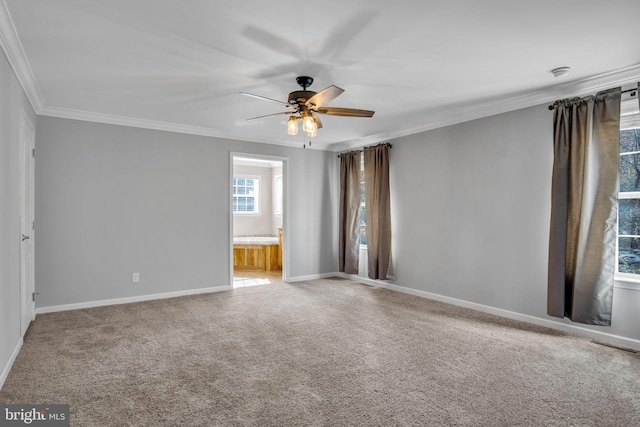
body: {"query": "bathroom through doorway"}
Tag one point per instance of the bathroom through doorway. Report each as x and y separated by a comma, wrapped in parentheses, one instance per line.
(257, 220)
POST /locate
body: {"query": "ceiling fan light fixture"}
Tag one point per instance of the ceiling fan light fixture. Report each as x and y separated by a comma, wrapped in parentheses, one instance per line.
(292, 125)
(307, 105)
(308, 123)
(313, 131)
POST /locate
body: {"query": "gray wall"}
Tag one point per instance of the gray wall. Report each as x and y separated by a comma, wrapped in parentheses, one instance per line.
(12, 104)
(471, 205)
(111, 200)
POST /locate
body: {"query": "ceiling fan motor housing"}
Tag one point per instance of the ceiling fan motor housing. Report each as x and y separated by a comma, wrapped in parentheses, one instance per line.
(299, 97)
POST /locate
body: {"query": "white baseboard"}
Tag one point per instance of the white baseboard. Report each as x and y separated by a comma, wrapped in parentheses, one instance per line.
(127, 300)
(7, 367)
(310, 277)
(140, 298)
(558, 325)
(605, 337)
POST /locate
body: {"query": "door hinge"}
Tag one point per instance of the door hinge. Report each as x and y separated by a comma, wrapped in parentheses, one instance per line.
(33, 152)
(33, 296)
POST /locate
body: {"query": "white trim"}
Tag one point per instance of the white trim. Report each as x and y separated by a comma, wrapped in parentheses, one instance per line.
(446, 116)
(89, 116)
(257, 163)
(311, 277)
(9, 365)
(363, 279)
(127, 300)
(440, 116)
(14, 52)
(627, 281)
(570, 328)
(628, 195)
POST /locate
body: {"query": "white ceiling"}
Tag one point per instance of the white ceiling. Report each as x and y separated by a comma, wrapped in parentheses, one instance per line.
(180, 65)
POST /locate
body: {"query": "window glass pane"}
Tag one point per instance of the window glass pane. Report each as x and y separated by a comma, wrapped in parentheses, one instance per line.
(362, 215)
(629, 255)
(629, 209)
(363, 225)
(629, 216)
(629, 140)
(245, 195)
(630, 172)
(278, 194)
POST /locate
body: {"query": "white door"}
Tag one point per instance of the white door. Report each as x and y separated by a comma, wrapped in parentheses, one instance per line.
(26, 222)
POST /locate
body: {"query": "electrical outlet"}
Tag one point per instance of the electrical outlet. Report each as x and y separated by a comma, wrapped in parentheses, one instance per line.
(135, 277)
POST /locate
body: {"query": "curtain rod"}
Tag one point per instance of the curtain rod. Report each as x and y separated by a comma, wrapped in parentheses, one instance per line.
(635, 89)
(386, 143)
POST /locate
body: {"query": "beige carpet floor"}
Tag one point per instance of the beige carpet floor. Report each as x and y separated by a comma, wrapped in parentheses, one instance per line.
(320, 353)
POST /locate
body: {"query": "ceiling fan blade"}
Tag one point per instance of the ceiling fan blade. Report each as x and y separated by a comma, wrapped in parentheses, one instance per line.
(324, 96)
(347, 112)
(316, 119)
(267, 99)
(269, 115)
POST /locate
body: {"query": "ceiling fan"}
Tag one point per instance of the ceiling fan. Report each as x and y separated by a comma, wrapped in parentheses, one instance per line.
(305, 105)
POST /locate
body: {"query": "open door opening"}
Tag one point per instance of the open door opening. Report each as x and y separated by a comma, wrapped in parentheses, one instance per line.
(258, 218)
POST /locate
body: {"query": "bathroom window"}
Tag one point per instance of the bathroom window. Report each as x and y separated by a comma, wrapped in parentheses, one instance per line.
(277, 192)
(246, 195)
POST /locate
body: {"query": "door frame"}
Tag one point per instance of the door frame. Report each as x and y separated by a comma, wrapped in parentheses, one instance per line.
(285, 208)
(27, 287)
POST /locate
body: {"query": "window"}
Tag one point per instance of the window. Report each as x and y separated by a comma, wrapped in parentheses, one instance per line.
(246, 191)
(277, 192)
(629, 191)
(362, 217)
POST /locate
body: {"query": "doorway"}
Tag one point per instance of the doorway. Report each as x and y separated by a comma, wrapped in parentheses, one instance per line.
(27, 224)
(258, 211)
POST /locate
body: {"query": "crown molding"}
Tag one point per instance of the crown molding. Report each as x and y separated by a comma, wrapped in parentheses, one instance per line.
(14, 52)
(460, 113)
(87, 116)
(12, 47)
(434, 118)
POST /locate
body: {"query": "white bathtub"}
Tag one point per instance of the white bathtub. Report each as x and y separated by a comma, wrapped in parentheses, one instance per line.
(255, 240)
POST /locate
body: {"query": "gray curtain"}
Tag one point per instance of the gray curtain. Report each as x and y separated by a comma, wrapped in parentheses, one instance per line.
(377, 209)
(584, 207)
(349, 208)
